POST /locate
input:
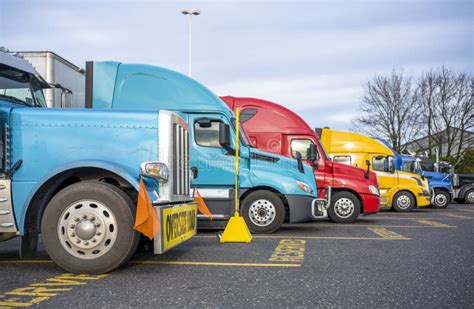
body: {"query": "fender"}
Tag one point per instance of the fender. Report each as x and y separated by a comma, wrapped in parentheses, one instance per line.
(23, 199)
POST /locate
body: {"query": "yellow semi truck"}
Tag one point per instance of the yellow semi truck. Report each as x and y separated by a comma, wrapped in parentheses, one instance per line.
(399, 190)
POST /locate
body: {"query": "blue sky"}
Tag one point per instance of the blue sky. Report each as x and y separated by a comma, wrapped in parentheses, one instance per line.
(311, 56)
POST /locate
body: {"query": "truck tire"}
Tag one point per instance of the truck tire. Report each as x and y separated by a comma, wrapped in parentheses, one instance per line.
(344, 208)
(403, 201)
(263, 211)
(441, 199)
(469, 197)
(88, 228)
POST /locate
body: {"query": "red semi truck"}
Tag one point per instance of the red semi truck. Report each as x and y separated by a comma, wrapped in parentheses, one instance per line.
(271, 127)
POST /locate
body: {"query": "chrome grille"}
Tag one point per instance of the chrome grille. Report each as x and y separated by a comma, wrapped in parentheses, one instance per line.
(173, 150)
(180, 160)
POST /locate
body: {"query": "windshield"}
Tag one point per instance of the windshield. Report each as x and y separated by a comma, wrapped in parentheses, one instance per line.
(244, 140)
(325, 153)
(19, 87)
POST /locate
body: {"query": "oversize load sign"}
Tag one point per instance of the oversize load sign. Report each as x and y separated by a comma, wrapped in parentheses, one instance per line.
(179, 224)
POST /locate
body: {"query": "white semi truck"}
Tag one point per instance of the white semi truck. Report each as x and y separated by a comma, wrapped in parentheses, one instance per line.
(67, 79)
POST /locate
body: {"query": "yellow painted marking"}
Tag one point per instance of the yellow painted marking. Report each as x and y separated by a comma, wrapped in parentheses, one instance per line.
(413, 218)
(216, 263)
(468, 210)
(313, 237)
(387, 234)
(38, 292)
(369, 225)
(26, 261)
(434, 224)
(458, 216)
(289, 250)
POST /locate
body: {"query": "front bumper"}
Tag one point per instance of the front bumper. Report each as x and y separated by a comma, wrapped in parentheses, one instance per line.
(300, 207)
(424, 200)
(370, 203)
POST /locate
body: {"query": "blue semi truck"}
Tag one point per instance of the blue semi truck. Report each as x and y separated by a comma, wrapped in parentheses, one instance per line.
(73, 175)
(274, 189)
(439, 178)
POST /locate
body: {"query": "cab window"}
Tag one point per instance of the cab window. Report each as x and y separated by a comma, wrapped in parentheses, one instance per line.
(207, 135)
(380, 164)
(343, 159)
(301, 146)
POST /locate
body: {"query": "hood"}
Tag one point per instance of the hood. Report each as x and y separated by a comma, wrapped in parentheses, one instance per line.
(349, 171)
(415, 178)
(277, 164)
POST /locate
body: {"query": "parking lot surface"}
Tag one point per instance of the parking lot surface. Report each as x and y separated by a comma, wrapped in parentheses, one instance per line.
(424, 258)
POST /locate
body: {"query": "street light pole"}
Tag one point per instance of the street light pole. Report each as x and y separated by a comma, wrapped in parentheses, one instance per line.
(190, 12)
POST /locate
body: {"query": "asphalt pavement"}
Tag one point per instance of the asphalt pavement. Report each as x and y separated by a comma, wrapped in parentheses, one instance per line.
(424, 258)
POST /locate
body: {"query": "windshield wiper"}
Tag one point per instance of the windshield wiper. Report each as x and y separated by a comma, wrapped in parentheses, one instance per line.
(15, 99)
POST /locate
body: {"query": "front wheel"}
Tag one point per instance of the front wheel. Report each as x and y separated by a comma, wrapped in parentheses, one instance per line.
(88, 228)
(469, 198)
(403, 202)
(441, 199)
(263, 211)
(345, 207)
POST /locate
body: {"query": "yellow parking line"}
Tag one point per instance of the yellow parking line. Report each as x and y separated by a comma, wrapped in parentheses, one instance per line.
(414, 218)
(434, 224)
(167, 263)
(458, 216)
(25, 261)
(217, 263)
(468, 210)
(310, 237)
(372, 225)
(386, 234)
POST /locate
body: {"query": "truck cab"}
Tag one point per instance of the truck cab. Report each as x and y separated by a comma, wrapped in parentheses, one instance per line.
(438, 175)
(273, 189)
(271, 127)
(65, 174)
(399, 190)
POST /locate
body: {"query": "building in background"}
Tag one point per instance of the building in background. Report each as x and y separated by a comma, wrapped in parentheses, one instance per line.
(67, 79)
(454, 144)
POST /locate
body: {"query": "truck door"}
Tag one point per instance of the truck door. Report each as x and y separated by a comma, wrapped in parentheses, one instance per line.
(301, 143)
(386, 179)
(215, 179)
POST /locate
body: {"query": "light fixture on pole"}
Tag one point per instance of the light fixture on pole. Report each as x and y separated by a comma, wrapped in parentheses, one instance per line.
(190, 13)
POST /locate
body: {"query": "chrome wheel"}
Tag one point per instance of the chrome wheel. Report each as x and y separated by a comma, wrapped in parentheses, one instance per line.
(470, 197)
(440, 200)
(87, 229)
(262, 212)
(344, 207)
(403, 202)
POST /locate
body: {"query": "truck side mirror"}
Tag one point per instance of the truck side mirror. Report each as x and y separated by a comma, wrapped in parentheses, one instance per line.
(312, 153)
(391, 168)
(300, 162)
(367, 173)
(224, 137)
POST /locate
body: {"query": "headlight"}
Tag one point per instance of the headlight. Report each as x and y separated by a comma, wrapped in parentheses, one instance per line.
(155, 170)
(419, 182)
(305, 187)
(373, 190)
